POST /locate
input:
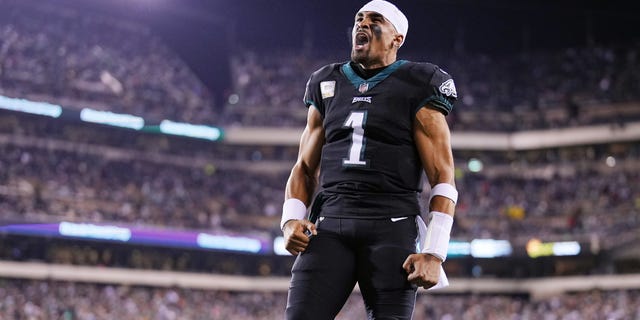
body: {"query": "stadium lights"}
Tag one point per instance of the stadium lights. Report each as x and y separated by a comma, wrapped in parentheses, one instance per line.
(26, 106)
(222, 242)
(475, 165)
(234, 99)
(458, 249)
(110, 118)
(536, 248)
(142, 235)
(610, 161)
(190, 130)
(490, 248)
(278, 247)
(92, 231)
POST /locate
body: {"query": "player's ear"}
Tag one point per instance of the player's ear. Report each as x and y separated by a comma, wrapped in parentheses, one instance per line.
(397, 40)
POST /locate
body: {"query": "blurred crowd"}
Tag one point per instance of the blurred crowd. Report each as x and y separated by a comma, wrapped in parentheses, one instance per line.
(584, 204)
(34, 300)
(60, 171)
(44, 185)
(57, 54)
(173, 182)
(533, 90)
(77, 59)
(53, 170)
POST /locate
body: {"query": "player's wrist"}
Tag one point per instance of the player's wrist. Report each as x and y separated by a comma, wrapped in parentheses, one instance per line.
(292, 209)
(438, 235)
(430, 256)
(284, 224)
(444, 190)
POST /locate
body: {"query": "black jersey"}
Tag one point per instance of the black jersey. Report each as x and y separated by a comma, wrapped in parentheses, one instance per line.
(370, 167)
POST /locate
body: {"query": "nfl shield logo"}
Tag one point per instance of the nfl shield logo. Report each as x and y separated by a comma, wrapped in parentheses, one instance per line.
(363, 87)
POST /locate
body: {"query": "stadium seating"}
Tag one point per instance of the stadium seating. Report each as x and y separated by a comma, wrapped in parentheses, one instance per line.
(54, 170)
(41, 299)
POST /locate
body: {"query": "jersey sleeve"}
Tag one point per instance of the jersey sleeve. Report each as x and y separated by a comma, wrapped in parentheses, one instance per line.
(311, 92)
(444, 91)
(318, 88)
(440, 91)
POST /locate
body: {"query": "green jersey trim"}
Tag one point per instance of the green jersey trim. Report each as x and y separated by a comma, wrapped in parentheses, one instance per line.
(357, 81)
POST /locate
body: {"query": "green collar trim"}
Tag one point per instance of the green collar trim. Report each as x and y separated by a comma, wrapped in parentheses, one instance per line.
(363, 85)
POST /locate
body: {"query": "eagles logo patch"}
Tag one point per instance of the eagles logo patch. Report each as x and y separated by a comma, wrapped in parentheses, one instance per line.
(448, 88)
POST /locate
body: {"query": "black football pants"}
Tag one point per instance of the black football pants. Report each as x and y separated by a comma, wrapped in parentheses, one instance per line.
(345, 251)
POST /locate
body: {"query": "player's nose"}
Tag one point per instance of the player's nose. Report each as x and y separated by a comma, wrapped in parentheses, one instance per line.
(363, 24)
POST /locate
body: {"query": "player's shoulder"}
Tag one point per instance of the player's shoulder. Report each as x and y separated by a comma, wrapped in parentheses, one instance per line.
(325, 71)
(434, 76)
(425, 69)
(321, 84)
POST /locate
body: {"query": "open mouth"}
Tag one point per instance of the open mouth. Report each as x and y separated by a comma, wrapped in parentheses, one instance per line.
(361, 40)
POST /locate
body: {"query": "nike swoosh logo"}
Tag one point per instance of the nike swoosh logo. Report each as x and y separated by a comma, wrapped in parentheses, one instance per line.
(398, 219)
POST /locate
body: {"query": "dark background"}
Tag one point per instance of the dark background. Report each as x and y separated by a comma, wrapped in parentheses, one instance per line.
(206, 32)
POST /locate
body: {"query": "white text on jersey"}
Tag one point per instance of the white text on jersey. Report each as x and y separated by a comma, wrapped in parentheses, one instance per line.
(361, 99)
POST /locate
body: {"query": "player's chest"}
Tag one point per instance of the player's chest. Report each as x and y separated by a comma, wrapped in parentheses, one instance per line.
(379, 108)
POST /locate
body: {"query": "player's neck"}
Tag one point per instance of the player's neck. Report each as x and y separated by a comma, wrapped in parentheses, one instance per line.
(379, 61)
(376, 64)
(365, 73)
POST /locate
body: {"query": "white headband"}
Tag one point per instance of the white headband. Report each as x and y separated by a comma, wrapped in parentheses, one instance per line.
(391, 13)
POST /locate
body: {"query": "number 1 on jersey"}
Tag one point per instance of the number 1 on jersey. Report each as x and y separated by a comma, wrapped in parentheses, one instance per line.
(356, 121)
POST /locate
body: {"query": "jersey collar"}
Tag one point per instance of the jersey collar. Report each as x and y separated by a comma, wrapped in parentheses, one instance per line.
(363, 85)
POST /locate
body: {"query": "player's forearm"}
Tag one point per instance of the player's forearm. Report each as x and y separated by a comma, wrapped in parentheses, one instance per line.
(304, 175)
(301, 184)
(442, 201)
(442, 177)
(433, 141)
(443, 205)
(298, 191)
(303, 179)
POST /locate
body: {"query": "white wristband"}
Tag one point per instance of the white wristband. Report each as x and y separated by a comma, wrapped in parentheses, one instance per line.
(438, 235)
(292, 209)
(445, 190)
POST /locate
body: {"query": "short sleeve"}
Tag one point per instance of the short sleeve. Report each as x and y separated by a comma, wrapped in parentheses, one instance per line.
(319, 88)
(310, 94)
(443, 91)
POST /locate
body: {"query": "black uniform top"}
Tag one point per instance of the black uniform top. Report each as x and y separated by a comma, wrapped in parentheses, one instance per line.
(370, 166)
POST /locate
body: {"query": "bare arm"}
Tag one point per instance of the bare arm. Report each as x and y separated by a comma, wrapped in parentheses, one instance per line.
(303, 181)
(433, 141)
(304, 175)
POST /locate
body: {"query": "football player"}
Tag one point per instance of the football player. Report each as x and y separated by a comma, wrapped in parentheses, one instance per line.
(374, 125)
